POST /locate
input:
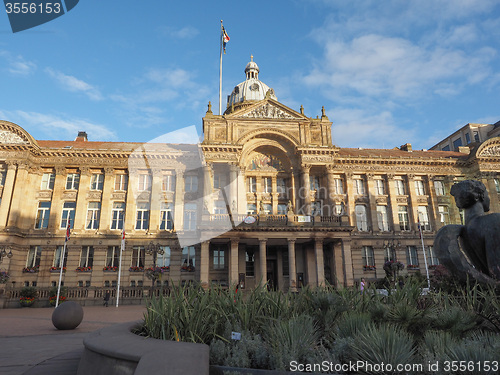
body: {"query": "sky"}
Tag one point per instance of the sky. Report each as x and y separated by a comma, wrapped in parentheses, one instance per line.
(387, 72)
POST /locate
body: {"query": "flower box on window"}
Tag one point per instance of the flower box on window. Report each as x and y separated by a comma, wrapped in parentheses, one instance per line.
(369, 268)
(433, 266)
(412, 267)
(110, 269)
(136, 269)
(57, 269)
(31, 269)
(84, 269)
(189, 268)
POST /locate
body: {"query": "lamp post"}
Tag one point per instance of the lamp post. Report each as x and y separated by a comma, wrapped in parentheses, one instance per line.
(391, 247)
(4, 253)
(154, 249)
(392, 266)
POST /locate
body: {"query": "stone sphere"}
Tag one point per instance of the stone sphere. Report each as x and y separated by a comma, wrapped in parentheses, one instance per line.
(68, 315)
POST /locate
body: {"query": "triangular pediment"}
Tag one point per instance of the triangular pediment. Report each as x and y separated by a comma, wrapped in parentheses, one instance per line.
(12, 134)
(267, 109)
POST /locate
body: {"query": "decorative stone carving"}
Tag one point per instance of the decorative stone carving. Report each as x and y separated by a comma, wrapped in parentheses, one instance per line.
(44, 195)
(265, 162)
(9, 137)
(94, 195)
(472, 249)
(493, 150)
(401, 199)
(443, 199)
(69, 195)
(423, 199)
(268, 110)
(381, 200)
(119, 196)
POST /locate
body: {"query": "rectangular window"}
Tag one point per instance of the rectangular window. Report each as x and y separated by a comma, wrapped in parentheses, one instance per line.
(72, 181)
(249, 263)
(432, 259)
(281, 186)
(467, 138)
(220, 207)
(282, 209)
(113, 256)
(268, 185)
(359, 187)
(404, 220)
(97, 181)
(314, 183)
(439, 187)
(190, 216)
(423, 215)
(218, 256)
(444, 215)
(168, 182)
(251, 209)
(419, 187)
(68, 212)
(188, 259)
(400, 187)
(368, 257)
(219, 181)
(163, 260)
(268, 208)
(361, 218)
(286, 263)
(87, 257)
(389, 254)
(117, 215)
(48, 181)
(379, 187)
(57, 257)
(93, 214)
(457, 143)
(144, 182)
(142, 221)
(3, 176)
(339, 186)
(476, 136)
(252, 184)
(446, 148)
(411, 257)
(191, 183)
(34, 256)
(121, 182)
(316, 208)
(166, 216)
(138, 256)
(42, 216)
(497, 184)
(382, 218)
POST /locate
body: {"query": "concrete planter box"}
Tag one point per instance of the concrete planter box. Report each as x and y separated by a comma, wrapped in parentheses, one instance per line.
(116, 350)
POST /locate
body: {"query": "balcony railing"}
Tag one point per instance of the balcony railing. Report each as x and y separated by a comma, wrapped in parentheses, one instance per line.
(241, 221)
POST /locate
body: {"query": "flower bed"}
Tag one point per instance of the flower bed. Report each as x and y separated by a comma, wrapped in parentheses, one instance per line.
(52, 300)
(26, 301)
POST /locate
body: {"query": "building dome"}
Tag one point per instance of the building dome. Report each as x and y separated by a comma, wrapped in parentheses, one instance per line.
(250, 90)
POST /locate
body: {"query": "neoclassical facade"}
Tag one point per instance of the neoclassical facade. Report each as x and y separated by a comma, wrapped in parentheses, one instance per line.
(265, 198)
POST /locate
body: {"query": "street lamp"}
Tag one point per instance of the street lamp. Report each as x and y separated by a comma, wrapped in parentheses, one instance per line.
(3, 253)
(391, 246)
(392, 266)
(154, 249)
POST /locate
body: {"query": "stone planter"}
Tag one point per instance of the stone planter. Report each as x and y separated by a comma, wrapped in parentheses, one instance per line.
(26, 302)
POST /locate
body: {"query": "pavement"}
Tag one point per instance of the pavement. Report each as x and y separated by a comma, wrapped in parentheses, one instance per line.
(30, 344)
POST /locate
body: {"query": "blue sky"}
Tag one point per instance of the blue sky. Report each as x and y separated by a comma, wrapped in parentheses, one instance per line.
(387, 72)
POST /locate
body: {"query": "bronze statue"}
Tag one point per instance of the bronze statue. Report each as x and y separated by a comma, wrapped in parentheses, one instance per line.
(474, 248)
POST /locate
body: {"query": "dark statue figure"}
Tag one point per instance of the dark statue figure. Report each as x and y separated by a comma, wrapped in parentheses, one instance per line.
(472, 249)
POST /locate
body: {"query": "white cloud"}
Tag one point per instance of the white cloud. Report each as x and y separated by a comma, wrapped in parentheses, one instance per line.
(17, 65)
(52, 125)
(74, 84)
(187, 32)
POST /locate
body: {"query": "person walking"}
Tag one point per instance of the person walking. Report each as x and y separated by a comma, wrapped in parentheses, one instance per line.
(106, 298)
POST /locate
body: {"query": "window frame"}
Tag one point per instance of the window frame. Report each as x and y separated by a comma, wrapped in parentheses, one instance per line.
(117, 216)
(121, 182)
(68, 212)
(142, 216)
(48, 180)
(43, 215)
(166, 216)
(361, 220)
(382, 213)
(97, 181)
(368, 256)
(72, 181)
(86, 257)
(93, 216)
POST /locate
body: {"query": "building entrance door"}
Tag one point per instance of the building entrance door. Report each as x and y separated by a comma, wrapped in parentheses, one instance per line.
(272, 274)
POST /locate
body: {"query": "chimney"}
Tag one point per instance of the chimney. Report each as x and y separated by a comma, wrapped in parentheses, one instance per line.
(406, 147)
(82, 137)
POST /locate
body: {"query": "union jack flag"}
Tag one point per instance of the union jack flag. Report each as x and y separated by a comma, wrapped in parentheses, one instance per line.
(68, 230)
(225, 39)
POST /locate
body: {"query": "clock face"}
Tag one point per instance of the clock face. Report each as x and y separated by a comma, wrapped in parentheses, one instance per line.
(249, 220)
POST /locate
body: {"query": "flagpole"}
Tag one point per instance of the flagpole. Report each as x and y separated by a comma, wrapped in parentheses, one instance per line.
(220, 68)
(122, 248)
(425, 256)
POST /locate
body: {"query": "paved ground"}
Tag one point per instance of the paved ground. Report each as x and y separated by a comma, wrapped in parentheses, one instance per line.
(29, 343)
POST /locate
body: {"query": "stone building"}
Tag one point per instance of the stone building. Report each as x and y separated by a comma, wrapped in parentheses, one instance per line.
(266, 197)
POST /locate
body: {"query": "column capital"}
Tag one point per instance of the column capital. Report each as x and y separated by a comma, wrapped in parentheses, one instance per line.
(235, 241)
(109, 170)
(411, 177)
(305, 168)
(262, 241)
(60, 170)
(84, 171)
(390, 176)
(180, 172)
(291, 240)
(330, 168)
(319, 240)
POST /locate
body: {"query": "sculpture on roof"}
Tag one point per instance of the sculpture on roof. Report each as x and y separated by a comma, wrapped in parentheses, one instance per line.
(472, 249)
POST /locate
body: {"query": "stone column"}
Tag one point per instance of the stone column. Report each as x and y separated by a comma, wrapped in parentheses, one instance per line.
(179, 200)
(348, 269)
(320, 262)
(156, 198)
(292, 272)
(21, 184)
(27, 218)
(233, 265)
(393, 202)
(81, 200)
(413, 203)
(263, 260)
(106, 202)
(57, 201)
(454, 212)
(351, 202)
(208, 188)
(204, 264)
(8, 189)
(372, 205)
(130, 206)
(331, 187)
(433, 204)
(305, 190)
(489, 182)
(233, 190)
